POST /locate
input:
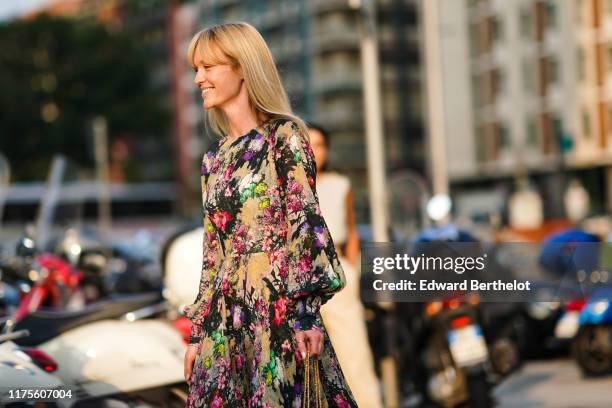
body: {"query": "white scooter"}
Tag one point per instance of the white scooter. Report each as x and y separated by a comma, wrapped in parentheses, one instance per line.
(109, 352)
(23, 380)
(181, 261)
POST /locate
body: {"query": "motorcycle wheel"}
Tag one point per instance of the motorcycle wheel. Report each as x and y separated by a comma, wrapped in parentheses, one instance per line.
(592, 356)
(505, 356)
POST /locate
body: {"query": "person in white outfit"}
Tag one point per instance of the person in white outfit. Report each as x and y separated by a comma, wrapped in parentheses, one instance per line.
(343, 315)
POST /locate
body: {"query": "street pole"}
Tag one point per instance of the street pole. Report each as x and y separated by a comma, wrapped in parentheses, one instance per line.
(100, 133)
(435, 97)
(377, 185)
(375, 149)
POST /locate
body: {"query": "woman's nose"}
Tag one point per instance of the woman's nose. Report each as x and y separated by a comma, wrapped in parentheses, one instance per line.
(199, 77)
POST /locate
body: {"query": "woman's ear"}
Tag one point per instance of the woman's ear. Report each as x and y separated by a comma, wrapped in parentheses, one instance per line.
(238, 70)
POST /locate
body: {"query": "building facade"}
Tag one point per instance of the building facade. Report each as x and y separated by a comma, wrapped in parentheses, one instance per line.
(527, 92)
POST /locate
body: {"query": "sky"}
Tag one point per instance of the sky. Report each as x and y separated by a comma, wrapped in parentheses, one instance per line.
(13, 8)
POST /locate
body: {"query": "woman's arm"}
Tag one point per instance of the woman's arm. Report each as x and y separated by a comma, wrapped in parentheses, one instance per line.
(313, 270)
(211, 256)
(351, 251)
(210, 259)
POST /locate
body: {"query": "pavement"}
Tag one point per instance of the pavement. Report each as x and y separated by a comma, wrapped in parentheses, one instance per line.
(553, 384)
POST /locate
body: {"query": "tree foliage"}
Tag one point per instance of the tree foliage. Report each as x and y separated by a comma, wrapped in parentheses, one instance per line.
(56, 74)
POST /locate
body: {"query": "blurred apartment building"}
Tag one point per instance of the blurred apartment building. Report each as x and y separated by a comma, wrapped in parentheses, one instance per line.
(316, 45)
(527, 91)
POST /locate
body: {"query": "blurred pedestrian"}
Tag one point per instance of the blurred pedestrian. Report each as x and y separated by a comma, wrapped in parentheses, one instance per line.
(343, 315)
(269, 262)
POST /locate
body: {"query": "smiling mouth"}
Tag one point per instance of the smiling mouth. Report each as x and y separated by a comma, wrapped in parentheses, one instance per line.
(206, 90)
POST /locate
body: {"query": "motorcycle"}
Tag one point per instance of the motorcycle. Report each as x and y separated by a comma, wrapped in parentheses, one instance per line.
(551, 325)
(456, 353)
(592, 345)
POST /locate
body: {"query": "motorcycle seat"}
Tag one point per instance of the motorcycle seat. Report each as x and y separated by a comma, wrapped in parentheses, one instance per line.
(47, 324)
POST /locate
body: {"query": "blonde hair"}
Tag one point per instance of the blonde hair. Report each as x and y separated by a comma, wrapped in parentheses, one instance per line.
(241, 45)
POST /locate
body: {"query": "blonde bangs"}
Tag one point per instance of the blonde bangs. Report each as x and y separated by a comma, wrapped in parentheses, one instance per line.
(207, 46)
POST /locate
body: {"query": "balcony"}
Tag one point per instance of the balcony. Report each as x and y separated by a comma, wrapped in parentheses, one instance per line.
(337, 81)
(339, 39)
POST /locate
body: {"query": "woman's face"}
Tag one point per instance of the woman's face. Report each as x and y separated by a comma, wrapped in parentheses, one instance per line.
(220, 84)
(317, 141)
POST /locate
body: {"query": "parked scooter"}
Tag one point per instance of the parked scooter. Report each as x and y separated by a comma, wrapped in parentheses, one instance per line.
(551, 325)
(455, 354)
(181, 263)
(593, 343)
(107, 351)
(26, 371)
(458, 360)
(100, 348)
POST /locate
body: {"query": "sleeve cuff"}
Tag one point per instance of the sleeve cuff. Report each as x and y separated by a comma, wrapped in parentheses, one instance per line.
(308, 316)
(195, 335)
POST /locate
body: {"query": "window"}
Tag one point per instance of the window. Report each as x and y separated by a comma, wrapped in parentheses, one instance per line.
(474, 39)
(494, 32)
(557, 127)
(480, 143)
(497, 29)
(579, 12)
(552, 68)
(528, 76)
(551, 14)
(532, 132)
(476, 91)
(526, 23)
(586, 124)
(581, 61)
(503, 135)
(499, 83)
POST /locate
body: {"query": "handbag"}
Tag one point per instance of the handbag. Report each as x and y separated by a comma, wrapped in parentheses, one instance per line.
(307, 384)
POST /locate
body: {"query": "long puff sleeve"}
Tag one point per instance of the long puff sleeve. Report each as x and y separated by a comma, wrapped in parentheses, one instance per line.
(314, 272)
(211, 256)
(197, 310)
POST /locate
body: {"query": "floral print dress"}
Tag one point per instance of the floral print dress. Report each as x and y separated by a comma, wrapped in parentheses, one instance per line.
(269, 263)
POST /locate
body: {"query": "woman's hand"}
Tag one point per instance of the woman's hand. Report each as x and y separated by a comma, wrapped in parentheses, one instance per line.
(311, 340)
(190, 356)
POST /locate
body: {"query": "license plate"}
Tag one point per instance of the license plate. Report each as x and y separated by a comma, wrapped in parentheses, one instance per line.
(467, 345)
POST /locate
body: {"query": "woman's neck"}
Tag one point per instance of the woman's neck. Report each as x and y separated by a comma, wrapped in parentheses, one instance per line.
(241, 116)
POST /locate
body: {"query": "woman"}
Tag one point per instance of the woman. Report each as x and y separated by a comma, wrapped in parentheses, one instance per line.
(269, 262)
(343, 315)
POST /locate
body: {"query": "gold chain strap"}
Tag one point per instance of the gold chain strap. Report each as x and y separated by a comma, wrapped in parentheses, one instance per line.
(317, 385)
